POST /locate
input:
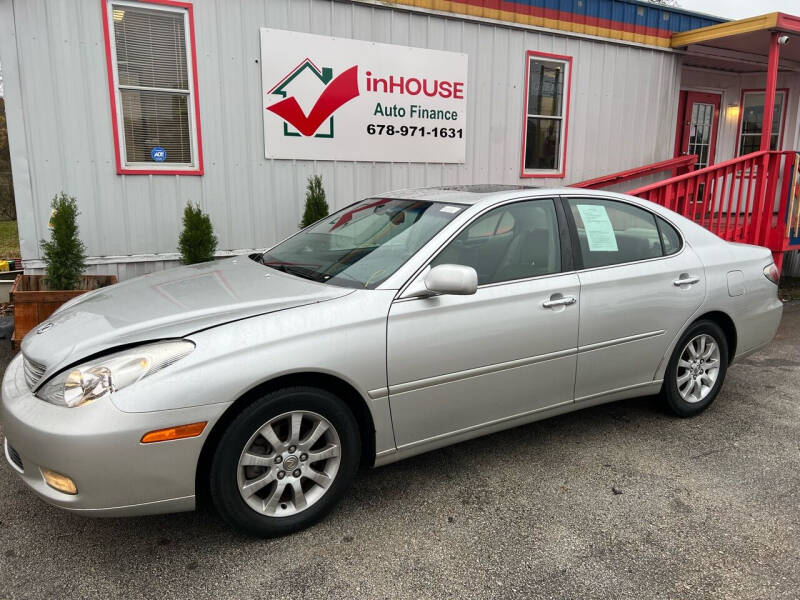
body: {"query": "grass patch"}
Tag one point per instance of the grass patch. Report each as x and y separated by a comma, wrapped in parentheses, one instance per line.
(9, 240)
(789, 288)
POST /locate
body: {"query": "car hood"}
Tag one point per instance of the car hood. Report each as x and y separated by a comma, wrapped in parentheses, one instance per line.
(168, 304)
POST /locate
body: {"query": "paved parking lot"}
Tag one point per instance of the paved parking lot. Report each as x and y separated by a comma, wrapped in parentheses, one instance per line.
(618, 501)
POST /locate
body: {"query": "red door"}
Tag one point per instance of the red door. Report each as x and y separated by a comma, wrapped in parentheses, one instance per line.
(698, 122)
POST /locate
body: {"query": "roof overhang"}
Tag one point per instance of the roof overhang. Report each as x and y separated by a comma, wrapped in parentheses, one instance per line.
(742, 46)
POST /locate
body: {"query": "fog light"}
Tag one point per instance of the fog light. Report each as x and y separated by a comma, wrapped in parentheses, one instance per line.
(59, 482)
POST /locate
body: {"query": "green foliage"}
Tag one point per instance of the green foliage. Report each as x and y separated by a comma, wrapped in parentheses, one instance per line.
(316, 207)
(197, 241)
(64, 253)
(9, 239)
(8, 209)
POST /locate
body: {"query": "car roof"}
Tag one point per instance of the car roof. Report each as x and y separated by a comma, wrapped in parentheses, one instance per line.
(491, 193)
(462, 194)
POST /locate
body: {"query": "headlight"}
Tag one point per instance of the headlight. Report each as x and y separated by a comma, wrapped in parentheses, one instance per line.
(108, 374)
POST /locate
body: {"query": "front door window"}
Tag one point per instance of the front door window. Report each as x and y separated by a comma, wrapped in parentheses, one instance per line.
(700, 119)
(700, 136)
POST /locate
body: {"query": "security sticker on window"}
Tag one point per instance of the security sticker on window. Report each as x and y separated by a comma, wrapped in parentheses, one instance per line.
(158, 154)
(599, 231)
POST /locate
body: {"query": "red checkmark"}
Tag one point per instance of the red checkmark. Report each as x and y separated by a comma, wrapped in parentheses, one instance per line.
(338, 92)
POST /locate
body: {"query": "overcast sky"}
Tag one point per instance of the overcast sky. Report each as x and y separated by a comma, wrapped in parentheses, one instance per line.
(739, 9)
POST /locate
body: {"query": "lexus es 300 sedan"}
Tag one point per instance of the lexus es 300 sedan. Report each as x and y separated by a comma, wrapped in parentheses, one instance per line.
(400, 324)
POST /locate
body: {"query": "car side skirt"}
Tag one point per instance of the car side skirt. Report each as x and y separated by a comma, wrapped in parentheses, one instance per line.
(419, 447)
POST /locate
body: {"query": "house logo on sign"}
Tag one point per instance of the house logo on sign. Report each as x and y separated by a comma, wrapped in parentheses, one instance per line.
(310, 97)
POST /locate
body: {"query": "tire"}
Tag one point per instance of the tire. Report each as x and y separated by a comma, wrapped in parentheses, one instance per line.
(691, 383)
(255, 493)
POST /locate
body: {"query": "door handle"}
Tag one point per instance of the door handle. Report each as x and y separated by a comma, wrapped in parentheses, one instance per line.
(565, 301)
(689, 280)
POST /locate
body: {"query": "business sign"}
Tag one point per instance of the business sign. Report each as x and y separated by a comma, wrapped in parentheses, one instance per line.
(331, 98)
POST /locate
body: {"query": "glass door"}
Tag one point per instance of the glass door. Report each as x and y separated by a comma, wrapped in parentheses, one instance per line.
(700, 121)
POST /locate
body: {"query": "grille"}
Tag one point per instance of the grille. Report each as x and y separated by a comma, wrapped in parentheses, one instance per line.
(14, 457)
(33, 371)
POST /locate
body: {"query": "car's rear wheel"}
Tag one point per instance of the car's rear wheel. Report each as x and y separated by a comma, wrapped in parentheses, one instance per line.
(284, 462)
(696, 369)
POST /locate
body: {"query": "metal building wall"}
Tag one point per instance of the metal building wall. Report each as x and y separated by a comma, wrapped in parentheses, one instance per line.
(623, 110)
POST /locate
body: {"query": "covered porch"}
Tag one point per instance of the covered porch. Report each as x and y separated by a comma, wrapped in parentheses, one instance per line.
(737, 135)
(740, 94)
(735, 77)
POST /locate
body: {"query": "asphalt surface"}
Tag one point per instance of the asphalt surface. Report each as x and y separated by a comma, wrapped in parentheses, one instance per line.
(617, 501)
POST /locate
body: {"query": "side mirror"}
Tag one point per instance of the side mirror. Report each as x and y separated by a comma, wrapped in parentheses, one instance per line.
(459, 280)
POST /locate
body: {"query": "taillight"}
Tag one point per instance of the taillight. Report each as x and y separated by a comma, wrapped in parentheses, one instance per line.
(771, 273)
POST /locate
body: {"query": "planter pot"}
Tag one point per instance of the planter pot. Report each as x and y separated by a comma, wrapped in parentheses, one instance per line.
(7, 279)
(33, 303)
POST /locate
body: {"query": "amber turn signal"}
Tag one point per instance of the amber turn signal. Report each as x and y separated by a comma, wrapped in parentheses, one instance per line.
(174, 433)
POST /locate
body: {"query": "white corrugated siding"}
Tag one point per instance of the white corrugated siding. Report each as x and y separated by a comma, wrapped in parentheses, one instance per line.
(623, 110)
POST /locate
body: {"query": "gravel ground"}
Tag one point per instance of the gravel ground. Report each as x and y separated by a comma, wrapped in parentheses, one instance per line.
(618, 501)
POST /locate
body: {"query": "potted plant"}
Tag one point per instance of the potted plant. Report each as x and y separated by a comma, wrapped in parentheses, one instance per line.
(36, 297)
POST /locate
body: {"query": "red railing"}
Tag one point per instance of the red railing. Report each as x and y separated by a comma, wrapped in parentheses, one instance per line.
(742, 200)
(678, 166)
(793, 212)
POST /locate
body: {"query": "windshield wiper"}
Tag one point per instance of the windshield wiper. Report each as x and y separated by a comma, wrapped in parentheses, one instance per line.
(296, 270)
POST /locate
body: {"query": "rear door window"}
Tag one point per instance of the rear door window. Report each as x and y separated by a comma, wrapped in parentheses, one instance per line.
(612, 232)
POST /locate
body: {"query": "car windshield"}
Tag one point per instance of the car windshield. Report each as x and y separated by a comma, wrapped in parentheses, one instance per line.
(363, 244)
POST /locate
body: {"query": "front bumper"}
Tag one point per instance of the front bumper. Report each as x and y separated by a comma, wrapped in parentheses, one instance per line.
(98, 446)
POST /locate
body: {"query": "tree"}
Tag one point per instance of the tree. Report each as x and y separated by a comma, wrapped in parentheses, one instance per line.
(197, 241)
(316, 206)
(8, 210)
(64, 253)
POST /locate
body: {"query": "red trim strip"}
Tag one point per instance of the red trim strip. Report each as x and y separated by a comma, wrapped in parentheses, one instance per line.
(788, 23)
(113, 95)
(741, 111)
(565, 137)
(560, 15)
(290, 73)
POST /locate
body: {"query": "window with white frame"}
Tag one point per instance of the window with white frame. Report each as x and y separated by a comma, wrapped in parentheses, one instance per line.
(752, 115)
(546, 114)
(153, 81)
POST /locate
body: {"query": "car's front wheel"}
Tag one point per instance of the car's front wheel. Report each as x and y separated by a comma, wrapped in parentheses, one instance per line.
(696, 369)
(285, 461)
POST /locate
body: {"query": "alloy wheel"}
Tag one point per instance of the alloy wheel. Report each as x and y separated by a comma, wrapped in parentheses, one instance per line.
(289, 463)
(698, 368)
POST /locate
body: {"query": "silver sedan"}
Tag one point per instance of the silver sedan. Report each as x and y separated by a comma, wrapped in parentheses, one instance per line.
(400, 324)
